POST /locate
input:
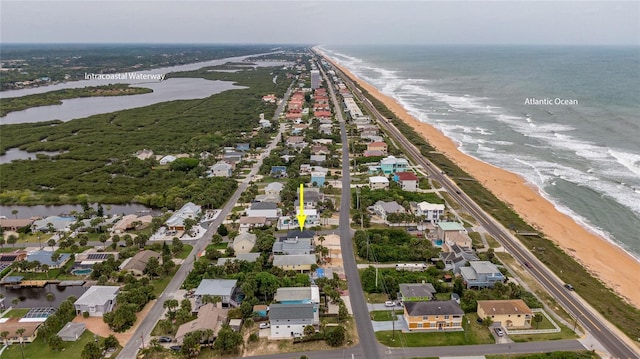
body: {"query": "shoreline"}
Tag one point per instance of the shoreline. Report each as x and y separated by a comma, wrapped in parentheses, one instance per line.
(605, 260)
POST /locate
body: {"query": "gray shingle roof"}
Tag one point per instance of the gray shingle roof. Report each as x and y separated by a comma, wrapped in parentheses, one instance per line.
(433, 307)
(301, 259)
(417, 290)
(290, 311)
(263, 205)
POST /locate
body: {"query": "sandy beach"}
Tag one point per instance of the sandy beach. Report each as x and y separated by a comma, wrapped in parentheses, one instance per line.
(609, 263)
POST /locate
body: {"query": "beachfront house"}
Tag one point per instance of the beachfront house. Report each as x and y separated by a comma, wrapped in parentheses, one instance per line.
(97, 300)
(392, 164)
(513, 313)
(408, 181)
(481, 274)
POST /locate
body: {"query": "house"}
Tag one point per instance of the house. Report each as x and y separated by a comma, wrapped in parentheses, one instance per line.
(289, 320)
(58, 224)
(298, 234)
(300, 295)
(312, 219)
(233, 157)
(430, 212)
(455, 257)
(408, 181)
(378, 182)
(167, 159)
(317, 159)
(326, 128)
(209, 317)
(136, 264)
(416, 292)
(274, 188)
(247, 223)
(224, 288)
(513, 313)
(445, 229)
(311, 198)
(272, 198)
(384, 209)
(264, 209)
(318, 179)
(271, 98)
(244, 242)
(278, 171)
(301, 262)
(296, 142)
(377, 146)
(72, 331)
(243, 147)
(14, 324)
(144, 154)
(320, 150)
(481, 274)
(91, 256)
(97, 300)
(45, 257)
(433, 315)
(128, 222)
(374, 153)
(392, 164)
(265, 123)
(293, 246)
(9, 224)
(188, 211)
(7, 258)
(221, 169)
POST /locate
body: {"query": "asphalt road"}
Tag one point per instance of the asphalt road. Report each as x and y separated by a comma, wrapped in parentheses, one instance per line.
(142, 334)
(368, 343)
(587, 316)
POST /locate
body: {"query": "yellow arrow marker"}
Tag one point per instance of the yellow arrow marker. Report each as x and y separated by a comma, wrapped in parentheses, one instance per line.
(301, 216)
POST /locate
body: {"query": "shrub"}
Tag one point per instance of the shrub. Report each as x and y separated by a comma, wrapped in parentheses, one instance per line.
(85, 314)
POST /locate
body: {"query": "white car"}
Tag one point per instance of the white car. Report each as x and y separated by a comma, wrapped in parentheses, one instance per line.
(264, 325)
(389, 303)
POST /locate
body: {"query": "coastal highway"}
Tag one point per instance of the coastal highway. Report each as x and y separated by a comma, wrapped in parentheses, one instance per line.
(592, 321)
(142, 334)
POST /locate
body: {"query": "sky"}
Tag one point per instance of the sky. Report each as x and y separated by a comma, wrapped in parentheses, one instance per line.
(322, 22)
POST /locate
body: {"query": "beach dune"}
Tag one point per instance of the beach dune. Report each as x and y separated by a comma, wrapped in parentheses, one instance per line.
(613, 266)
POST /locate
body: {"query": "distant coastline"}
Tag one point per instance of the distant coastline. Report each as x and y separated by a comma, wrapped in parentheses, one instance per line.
(607, 261)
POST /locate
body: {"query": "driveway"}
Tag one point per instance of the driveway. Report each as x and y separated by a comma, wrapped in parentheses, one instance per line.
(380, 306)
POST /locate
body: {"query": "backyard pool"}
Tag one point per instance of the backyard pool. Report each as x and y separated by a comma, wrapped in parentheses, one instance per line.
(81, 271)
(438, 242)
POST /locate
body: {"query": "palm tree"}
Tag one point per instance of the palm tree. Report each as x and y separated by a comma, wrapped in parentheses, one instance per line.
(20, 332)
(5, 335)
(15, 213)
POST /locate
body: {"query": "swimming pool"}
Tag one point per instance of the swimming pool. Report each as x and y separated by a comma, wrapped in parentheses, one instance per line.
(81, 271)
(438, 242)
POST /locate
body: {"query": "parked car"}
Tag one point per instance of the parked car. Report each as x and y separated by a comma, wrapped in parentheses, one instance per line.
(176, 348)
(165, 339)
(568, 286)
(264, 325)
(389, 303)
(499, 331)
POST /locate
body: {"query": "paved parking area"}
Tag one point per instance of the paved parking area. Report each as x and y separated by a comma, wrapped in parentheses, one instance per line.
(398, 324)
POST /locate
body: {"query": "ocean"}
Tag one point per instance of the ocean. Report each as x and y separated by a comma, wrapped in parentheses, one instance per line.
(567, 119)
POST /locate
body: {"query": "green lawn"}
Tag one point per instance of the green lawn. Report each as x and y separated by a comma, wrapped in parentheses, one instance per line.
(383, 315)
(565, 333)
(474, 333)
(17, 313)
(39, 350)
(161, 283)
(186, 249)
(553, 355)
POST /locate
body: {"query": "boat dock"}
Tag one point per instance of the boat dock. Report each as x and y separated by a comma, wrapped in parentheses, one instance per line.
(70, 283)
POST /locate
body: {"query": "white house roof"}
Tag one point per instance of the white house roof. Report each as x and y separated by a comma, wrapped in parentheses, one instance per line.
(393, 160)
(220, 287)
(378, 179)
(484, 267)
(426, 206)
(221, 166)
(97, 295)
(245, 236)
(274, 186)
(450, 226)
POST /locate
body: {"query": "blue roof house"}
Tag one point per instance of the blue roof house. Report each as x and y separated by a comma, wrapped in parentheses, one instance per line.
(44, 257)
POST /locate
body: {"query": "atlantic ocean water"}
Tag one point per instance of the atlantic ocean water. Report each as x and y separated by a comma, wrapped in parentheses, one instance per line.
(567, 119)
